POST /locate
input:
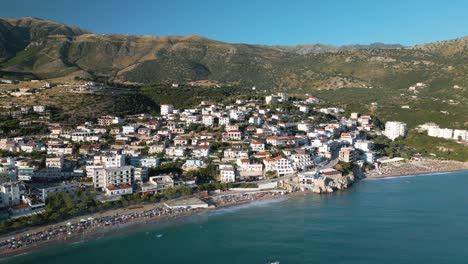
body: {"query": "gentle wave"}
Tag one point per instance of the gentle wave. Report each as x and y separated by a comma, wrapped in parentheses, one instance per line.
(235, 208)
(78, 242)
(409, 176)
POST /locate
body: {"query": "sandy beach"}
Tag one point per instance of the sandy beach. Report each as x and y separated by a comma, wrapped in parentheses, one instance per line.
(122, 219)
(416, 168)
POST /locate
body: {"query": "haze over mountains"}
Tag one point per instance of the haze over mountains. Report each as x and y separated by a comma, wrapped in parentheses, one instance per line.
(45, 49)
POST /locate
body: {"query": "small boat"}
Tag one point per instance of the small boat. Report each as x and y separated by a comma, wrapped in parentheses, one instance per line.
(274, 262)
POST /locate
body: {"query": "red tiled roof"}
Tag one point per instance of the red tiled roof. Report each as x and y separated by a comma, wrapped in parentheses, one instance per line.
(118, 187)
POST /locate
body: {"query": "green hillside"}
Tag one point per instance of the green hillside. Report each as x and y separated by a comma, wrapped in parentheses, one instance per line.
(364, 74)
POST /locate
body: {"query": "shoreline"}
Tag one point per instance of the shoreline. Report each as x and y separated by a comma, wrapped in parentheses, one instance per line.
(412, 174)
(416, 168)
(132, 225)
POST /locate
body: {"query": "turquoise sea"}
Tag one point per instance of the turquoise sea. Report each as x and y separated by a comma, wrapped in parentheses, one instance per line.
(420, 219)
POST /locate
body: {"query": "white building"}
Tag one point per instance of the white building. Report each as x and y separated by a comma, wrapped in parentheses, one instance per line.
(459, 134)
(304, 109)
(39, 108)
(237, 115)
(281, 141)
(84, 136)
(234, 135)
(158, 184)
(103, 177)
(110, 160)
(118, 189)
(235, 154)
(256, 120)
(54, 162)
(148, 162)
(141, 174)
(257, 146)
(227, 175)
(224, 120)
(302, 161)
(280, 165)
(364, 145)
(395, 129)
(167, 109)
(433, 131)
(208, 120)
(65, 187)
(10, 194)
(175, 151)
(129, 129)
(446, 133)
(347, 155)
(305, 127)
(109, 120)
(59, 149)
(271, 99)
(369, 157)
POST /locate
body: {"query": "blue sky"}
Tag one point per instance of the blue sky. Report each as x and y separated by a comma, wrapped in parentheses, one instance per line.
(270, 22)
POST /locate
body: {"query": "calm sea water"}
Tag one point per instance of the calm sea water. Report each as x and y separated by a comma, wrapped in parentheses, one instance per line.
(421, 219)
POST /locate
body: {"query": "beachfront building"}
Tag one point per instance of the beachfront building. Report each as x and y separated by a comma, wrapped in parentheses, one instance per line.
(227, 175)
(118, 189)
(10, 194)
(254, 170)
(280, 165)
(65, 187)
(157, 184)
(103, 177)
(395, 129)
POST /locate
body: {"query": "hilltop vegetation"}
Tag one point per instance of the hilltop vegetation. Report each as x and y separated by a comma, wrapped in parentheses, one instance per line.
(49, 49)
(366, 74)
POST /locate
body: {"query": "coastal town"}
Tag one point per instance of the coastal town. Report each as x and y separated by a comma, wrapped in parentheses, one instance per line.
(185, 160)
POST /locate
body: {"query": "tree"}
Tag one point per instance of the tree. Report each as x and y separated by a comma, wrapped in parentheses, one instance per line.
(170, 193)
(270, 174)
(344, 167)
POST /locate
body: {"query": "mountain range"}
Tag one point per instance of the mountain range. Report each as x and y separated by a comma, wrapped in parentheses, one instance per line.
(45, 49)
